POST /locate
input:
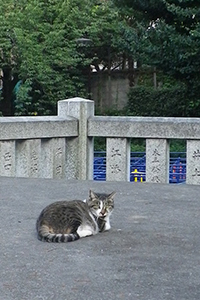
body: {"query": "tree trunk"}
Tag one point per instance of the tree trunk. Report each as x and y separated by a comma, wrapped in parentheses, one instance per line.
(154, 78)
(9, 81)
(131, 76)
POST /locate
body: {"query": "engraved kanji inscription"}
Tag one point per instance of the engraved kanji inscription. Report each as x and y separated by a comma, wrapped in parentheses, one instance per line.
(196, 172)
(7, 161)
(115, 152)
(115, 168)
(34, 162)
(155, 155)
(196, 154)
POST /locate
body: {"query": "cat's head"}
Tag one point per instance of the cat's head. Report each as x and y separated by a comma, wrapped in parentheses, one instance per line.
(101, 204)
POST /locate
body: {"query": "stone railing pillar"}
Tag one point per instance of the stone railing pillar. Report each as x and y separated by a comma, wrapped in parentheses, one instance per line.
(28, 153)
(117, 159)
(157, 160)
(193, 162)
(7, 161)
(79, 150)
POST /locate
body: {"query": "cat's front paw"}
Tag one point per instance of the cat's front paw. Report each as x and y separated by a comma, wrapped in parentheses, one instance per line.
(107, 226)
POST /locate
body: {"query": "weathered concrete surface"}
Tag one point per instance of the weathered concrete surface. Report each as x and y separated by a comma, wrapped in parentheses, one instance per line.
(151, 253)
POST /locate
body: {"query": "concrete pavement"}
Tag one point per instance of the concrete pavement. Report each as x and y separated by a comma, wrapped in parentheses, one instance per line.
(152, 251)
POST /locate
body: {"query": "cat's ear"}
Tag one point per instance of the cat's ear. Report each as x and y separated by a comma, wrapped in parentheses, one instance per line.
(111, 196)
(92, 195)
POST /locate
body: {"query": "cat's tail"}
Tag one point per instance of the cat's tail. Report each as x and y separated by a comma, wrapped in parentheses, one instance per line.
(46, 236)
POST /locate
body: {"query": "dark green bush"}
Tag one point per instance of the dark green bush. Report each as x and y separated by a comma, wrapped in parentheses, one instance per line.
(165, 102)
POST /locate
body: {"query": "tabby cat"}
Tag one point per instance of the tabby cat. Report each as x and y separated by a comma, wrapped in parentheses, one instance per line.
(66, 221)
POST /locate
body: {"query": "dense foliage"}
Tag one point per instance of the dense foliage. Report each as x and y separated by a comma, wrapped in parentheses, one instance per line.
(169, 32)
(147, 101)
(47, 48)
(43, 58)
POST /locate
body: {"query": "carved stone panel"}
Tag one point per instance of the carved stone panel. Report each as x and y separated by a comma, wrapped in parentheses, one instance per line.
(7, 161)
(157, 161)
(193, 162)
(58, 148)
(53, 158)
(28, 158)
(117, 159)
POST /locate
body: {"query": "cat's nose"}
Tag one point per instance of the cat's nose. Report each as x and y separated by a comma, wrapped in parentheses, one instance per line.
(103, 212)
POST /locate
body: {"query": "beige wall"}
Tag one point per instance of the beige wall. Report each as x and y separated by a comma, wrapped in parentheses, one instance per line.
(109, 91)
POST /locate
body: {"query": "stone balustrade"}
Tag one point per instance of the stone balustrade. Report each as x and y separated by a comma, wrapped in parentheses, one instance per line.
(62, 146)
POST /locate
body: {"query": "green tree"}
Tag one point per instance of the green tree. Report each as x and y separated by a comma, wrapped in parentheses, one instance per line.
(7, 55)
(170, 40)
(42, 57)
(33, 49)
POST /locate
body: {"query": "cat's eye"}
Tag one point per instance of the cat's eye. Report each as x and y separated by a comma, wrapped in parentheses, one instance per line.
(97, 205)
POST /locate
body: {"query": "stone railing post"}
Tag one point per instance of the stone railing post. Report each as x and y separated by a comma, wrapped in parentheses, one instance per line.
(157, 160)
(117, 159)
(79, 150)
(193, 162)
(7, 161)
